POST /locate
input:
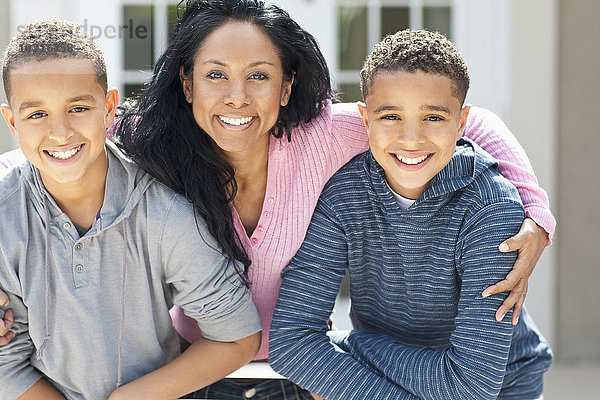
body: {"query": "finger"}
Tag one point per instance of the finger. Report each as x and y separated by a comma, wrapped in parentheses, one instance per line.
(508, 283)
(6, 323)
(517, 294)
(3, 299)
(4, 340)
(9, 319)
(514, 243)
(517, 310)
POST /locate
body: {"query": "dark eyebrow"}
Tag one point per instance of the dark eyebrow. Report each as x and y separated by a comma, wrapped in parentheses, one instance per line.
(257, 63)
(84, 97)
(386, 107)
(443, 109)
(29, 104)
(221, 63)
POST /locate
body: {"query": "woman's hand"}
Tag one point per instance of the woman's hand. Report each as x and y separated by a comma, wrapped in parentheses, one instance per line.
(531, 242)
(6, 324)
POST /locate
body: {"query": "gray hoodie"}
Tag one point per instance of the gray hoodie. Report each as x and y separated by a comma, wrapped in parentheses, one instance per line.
(92, 312)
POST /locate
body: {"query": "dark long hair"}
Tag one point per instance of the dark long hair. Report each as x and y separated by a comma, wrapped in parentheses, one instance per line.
(159, 131)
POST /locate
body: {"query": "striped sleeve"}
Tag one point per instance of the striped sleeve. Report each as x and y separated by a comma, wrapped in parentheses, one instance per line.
(300, 348)
(473, 366)
(488, 131)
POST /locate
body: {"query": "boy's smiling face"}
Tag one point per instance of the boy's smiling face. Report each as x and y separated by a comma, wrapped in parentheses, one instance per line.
(413, 120)
(59, 114)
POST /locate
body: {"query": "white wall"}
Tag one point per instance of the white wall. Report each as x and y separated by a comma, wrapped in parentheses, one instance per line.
(532, 115)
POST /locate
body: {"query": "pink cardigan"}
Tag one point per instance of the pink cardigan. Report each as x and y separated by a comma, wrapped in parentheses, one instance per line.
(299, 169)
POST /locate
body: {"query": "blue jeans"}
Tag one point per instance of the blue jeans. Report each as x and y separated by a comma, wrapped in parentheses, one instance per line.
(255, 389)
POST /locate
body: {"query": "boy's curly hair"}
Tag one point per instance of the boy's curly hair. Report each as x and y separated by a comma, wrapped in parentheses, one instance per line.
(52, 39)
(417, 50)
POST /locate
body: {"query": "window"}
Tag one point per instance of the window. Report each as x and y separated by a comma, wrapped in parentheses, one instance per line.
(150, 25)
(363, 23)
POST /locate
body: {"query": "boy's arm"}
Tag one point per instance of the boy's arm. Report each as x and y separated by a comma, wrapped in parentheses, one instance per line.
(474, 364)
(203, 363)
(42, 390)
(206, 285)
(299, 346)
(17, 375)
(487, 129)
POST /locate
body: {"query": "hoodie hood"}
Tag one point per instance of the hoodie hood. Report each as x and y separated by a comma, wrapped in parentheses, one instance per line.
(468, 162)
(125, 185)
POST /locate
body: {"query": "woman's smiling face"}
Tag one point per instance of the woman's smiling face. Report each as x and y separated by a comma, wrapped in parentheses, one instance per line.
(237, 87)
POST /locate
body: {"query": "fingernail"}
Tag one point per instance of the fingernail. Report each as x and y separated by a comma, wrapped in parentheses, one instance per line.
(501, 317)
(503, 247)
(516, 321)
(484, 295)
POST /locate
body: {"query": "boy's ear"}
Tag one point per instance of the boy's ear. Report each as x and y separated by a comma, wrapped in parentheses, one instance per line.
(464, 114)
(186, 85)
(9, 117)
(111, 104)
(362, 109)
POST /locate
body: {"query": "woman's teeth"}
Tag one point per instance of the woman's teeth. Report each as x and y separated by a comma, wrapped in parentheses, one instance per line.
(235, 121)
(64, 155)
(411, 161)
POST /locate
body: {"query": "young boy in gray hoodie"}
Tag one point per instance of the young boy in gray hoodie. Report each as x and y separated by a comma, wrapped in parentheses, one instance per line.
(94, 252)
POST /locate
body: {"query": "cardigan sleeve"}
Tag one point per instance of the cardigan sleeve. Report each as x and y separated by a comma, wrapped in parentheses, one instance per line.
(300, 348)
(473, 366)
(488, 131)
(10, 159)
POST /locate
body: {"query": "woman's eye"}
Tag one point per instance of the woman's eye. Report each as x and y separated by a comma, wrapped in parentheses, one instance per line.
(259, 76)
(37, 115)
(215, 75)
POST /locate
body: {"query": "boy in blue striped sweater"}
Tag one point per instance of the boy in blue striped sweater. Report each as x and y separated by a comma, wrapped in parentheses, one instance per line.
(416, 221)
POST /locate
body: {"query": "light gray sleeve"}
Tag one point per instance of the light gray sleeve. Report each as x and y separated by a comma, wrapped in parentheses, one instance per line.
(16, 372)
(205, 284)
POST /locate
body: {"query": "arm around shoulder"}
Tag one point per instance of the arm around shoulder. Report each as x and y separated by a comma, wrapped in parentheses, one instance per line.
(204, 362)
(489, 131)
(41, 390)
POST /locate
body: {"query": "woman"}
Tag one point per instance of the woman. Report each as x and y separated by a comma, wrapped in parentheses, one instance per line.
(238, 118)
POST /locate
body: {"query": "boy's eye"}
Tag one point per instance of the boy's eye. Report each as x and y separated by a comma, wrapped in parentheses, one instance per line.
(390, 117)
(259, 76)
(78, 109)
(37, 115)
(434, 118)
(214, 75)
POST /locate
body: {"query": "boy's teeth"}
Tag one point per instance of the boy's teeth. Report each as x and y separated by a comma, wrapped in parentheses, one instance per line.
(235, 121)
(411, 161)
(64, 155)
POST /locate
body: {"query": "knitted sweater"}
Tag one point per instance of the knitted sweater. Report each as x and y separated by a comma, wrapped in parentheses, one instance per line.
(416, 278)
(298, 171)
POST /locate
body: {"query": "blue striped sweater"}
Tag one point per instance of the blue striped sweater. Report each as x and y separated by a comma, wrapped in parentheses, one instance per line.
(422, 329)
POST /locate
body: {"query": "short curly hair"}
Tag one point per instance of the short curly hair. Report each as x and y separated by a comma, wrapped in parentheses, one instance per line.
(52, 39)
(417, 50)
